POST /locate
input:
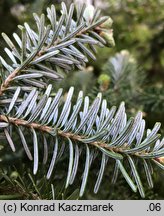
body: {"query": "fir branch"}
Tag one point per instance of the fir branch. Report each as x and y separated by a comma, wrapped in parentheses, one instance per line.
(92, 126)
(47, 45)
(80, 126)
(50, 130)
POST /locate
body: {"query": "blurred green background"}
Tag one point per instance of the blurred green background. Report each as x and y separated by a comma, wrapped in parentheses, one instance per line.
(139, 29)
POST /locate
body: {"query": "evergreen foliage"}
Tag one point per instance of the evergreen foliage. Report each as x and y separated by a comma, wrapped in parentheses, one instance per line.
(52, 126)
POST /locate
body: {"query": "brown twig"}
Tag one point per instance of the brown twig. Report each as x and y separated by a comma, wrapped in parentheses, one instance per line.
(48, 129)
